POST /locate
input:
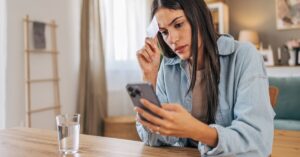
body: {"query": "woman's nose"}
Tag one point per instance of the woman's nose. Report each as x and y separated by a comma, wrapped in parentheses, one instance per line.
(173, 37)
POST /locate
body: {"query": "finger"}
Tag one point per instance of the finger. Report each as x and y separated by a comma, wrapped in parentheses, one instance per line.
(163, 131)
(149, 49)
(157, 110)
(153, 44)
(148, 125)
(150, 44)
(151, 118)
(144, 55)
(155, 40)
(137, 117)
(170, 107)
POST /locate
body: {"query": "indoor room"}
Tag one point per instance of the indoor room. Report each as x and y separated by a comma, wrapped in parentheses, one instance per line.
(149, 78)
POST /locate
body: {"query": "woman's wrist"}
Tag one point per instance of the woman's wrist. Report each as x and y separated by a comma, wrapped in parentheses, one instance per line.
(150, 77)
(205, 134)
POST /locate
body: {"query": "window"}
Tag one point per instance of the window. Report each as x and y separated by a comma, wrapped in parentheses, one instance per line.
(123, 25)
(2, 61)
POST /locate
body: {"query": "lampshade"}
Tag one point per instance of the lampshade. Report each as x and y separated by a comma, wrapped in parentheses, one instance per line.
(249, 35)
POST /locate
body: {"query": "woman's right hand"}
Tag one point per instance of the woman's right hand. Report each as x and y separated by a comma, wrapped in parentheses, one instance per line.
(149, 60)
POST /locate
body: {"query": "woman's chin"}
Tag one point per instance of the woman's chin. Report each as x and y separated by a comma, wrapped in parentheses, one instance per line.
(183, 56)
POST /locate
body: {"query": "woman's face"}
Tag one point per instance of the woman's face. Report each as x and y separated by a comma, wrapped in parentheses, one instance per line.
(175, 30)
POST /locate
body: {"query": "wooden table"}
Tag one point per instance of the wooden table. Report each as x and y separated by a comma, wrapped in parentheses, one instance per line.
(286, 143)
(43, 143)
(24, 142)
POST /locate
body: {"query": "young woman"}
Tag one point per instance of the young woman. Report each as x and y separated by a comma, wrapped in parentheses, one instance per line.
(214, 89)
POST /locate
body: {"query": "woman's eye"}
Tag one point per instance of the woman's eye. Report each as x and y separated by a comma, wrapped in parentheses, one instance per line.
(178, 25)
(164, 33)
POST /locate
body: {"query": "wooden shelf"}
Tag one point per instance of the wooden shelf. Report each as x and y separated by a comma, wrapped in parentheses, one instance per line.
(42, 80)
(40, 51)
(283, 71)
(283, 66)
(47, 24)
(44, 109)
(28, 51)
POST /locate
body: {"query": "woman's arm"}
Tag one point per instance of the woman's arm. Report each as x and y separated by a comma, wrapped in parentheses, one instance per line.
(251, 130)
(176, 121)
(152, 138)
(149, 60)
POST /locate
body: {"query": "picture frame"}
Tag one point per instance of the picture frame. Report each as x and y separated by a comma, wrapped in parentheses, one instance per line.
(287, 14)
(267, 55)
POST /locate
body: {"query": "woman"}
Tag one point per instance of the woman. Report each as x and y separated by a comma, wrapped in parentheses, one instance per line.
(214, 89)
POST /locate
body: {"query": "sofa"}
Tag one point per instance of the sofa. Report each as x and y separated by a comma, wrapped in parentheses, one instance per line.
(287, 108)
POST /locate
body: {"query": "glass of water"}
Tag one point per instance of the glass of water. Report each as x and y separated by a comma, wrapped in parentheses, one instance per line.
(68, 128)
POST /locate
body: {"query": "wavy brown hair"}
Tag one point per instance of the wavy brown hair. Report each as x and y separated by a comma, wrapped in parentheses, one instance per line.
(200, 19)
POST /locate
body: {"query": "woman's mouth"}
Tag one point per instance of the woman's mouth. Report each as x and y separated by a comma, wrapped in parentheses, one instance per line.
(180, 49)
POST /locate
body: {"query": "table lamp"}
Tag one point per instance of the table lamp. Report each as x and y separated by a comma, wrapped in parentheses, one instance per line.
(249, 35)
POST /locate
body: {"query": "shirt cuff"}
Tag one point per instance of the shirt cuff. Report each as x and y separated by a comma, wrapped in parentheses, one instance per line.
(206, 150)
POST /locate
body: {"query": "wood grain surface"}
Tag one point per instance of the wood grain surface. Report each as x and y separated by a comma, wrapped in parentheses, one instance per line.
(23, 142)
(29, 142)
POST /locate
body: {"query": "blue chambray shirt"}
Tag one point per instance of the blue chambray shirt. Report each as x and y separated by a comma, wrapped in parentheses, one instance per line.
(244, 119)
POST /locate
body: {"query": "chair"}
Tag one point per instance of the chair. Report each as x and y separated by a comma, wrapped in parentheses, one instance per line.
(273, 92)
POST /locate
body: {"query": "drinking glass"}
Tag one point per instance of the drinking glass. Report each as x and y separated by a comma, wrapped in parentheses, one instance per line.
(68, 128)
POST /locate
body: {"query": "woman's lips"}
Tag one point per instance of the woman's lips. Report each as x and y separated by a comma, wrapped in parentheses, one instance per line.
(180, 49)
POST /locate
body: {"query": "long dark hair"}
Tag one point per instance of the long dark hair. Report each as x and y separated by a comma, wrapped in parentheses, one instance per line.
(200, 20)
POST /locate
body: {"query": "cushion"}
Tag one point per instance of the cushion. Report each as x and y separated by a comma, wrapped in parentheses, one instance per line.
(284, 124)
(288, 101)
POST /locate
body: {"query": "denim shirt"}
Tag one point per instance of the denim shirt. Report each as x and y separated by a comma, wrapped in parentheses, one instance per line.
(244, 119)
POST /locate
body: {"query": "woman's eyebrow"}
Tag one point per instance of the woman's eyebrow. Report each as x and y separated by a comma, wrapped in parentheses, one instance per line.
(172, 21)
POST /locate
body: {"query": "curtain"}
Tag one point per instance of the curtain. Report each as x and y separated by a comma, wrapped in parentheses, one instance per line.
(2, 61)
(92, 103)
(124, 31)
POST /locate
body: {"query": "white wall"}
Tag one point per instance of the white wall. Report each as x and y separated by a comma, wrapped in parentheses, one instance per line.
(2, 61)
(67, 15)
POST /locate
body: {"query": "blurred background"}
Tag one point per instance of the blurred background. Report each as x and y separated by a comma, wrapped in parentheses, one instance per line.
(88, 55)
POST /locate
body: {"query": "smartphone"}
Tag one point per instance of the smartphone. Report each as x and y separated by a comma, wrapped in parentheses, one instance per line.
(142, 90)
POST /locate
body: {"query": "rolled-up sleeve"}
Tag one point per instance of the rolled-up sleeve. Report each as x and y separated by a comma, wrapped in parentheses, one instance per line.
(153, 139)
(251, 131)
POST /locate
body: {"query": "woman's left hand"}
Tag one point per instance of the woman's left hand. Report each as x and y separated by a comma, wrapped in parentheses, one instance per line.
(175, 120)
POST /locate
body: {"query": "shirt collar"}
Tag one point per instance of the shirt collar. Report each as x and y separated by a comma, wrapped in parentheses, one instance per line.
(225, 45)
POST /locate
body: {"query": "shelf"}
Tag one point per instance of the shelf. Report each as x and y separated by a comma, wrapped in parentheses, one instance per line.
(40, 51)
(42, 80)
(283, 66)
(47, 24)
(283, 71)
(44, 109)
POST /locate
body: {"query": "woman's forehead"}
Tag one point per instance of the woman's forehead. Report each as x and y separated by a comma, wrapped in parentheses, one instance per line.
(165, 16)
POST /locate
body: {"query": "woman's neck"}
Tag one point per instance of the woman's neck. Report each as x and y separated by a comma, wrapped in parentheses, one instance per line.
(200, 60)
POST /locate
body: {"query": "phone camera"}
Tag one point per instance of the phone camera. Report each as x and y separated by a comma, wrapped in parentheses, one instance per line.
(130, 89)
(134, 92)
(137, 92)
